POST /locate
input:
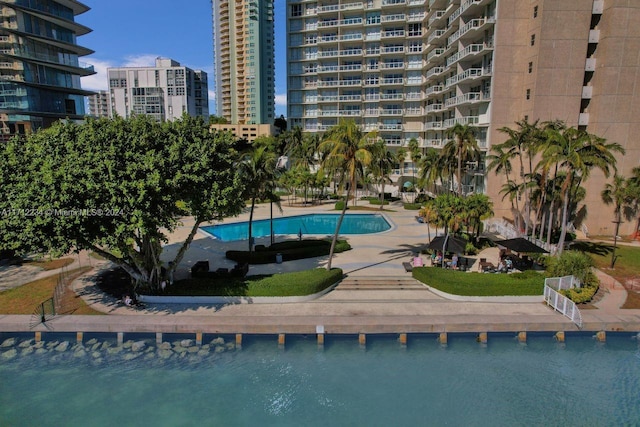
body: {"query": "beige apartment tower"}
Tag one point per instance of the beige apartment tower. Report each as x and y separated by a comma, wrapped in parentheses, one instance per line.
(243, 54)
(414, 68)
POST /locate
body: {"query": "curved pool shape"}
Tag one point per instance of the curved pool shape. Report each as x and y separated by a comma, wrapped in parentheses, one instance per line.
(307, 224)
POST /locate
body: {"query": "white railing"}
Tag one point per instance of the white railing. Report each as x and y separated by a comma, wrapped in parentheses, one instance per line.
(563, 305)
(562, 283)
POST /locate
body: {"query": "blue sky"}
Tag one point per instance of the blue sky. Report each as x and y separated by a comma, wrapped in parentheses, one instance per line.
(129, 33)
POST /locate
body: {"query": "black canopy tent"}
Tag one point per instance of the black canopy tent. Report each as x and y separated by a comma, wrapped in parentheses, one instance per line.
(448, 243)
(521, 245)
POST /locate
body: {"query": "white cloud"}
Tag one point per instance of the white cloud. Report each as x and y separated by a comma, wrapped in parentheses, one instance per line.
(212, 95)
(281, 99)
(97, 81)
(145, 60)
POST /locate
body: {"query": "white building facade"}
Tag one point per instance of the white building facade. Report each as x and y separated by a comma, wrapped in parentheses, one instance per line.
(165, 91)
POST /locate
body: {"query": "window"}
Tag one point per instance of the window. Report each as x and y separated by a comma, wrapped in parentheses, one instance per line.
(180, 91)
(528, 93)
(296, 10)
(526, 118)
(530, 67)
(535, 11)
(533, 39)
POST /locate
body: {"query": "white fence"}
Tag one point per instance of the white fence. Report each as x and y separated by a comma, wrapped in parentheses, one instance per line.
(560, 283)
(563, 304)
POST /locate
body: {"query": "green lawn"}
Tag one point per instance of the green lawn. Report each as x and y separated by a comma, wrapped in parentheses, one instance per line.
(481, 284)
(278, 285)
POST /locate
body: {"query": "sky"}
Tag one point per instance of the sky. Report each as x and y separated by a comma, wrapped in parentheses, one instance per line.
(133, 33)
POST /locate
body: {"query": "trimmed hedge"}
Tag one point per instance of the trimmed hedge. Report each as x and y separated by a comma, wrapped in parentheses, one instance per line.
(290, 250)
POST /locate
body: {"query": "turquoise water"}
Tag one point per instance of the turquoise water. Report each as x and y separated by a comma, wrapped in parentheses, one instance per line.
(307, 224)
(503, 383)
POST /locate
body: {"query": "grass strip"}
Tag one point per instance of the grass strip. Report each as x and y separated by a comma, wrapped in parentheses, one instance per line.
(298, 283)
(481, 284)
(24, 299)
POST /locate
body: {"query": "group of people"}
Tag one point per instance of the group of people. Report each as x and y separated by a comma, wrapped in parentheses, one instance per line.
(437, 259)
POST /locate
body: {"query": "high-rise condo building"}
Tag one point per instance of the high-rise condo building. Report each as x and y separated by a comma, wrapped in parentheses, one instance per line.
(39, 68)
(243, 52)
(414, 68)
(165, 91)
(99, 104)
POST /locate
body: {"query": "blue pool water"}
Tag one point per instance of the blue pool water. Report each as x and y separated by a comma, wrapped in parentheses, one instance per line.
(312, 224)
(503, 383)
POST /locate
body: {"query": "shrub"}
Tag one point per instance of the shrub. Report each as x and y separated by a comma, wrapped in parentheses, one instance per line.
(412, 206)
(470, 249)
(339, 205)
(290, 250)
(577, 264)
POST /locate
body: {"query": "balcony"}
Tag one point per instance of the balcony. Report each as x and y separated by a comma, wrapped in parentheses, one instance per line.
(392, 81)
(583, 119)
(350, 113)
(434, 71)
(393, 2)
(344, 98)
(416, 17)
(472, 49)
(394, 18)
(433, 142)
(435, 35)
(393, 49)
(384, 127)
(467, 120)
(435, 53)
(391, 96)
(587, 92)
(391, 112)
(391, 65)
(467, 98)
(436, 16)
(463, 7)
(598, 7)
(474, 24)
(471, 73)
(393, 34)
(434, 89)
(433, 125)
(412, 111)
(432, 108)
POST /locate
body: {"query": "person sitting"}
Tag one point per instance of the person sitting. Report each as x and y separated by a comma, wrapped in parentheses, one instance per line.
(417, 261)
(501, 267)
(508, 264)
(127, 301)
(454, 262)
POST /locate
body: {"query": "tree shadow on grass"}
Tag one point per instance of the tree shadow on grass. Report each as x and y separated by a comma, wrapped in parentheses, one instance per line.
(595, 248)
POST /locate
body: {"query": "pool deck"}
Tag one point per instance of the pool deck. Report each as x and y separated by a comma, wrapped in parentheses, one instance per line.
(413, 308)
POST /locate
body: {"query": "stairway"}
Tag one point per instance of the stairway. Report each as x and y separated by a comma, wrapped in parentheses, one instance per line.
(382, 283)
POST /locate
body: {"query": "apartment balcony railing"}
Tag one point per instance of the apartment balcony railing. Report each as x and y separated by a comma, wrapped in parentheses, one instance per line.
(329, 113)
(372, 97)
(341, 83)
(415, 65)
(431, 108)
(433, 142)
(434, 71)
(463, 7)
(436, 34)
(415, 49)
(436, 16)
(468, 74)
(393, 2)
(467, 98)
(350, 113)
(330, 98)
(328, 39)
(467, 120)
(413, 111)
(384, 127)
(335, 7)
(469, 50)
(391, 96)
(394, 18)
(351, 52)
(435, 53)
(391, 111)
(433, 125)
(391, 65)
(413, 96)
(433, 89)
(471, 25)
(393, 81)
(416, 17)
(350, 97)
(354, 36)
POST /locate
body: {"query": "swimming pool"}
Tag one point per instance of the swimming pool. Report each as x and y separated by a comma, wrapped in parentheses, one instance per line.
(311, 224)
(503, 383)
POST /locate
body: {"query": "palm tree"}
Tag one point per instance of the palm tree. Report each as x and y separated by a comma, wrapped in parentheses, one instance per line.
(382, 162)
(466, 147)
(429, 170)
(416, 155)
(633, 185)
(348, 150)
(257, 167)
(576, 152)
(616, 193)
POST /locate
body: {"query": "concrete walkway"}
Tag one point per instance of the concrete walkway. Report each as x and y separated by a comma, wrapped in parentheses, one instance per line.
(345, 310)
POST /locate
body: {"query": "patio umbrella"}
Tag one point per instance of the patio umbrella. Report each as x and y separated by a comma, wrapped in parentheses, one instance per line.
(521, 245)
(448, 243)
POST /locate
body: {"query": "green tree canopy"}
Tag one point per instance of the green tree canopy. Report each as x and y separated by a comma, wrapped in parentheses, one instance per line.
(116, 187)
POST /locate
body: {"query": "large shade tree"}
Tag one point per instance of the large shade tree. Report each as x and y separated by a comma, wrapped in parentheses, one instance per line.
(463, 143)
(116, 187)
(348, 151)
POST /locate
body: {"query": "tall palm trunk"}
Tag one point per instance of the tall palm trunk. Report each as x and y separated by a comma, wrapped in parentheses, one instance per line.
(253, 204)
(337, 232)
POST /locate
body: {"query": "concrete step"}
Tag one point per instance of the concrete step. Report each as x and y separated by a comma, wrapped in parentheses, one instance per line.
(380, 283)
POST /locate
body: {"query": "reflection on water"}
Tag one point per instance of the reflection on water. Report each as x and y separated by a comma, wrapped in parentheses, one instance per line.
(504, 382)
